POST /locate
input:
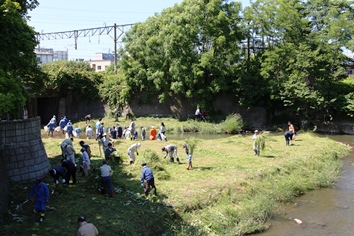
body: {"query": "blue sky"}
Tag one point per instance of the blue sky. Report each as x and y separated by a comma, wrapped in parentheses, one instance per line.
(66, 15)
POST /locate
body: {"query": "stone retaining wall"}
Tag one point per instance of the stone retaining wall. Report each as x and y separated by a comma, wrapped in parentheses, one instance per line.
(22, 149)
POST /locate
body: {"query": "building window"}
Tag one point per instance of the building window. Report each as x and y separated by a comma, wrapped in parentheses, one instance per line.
(98, 67)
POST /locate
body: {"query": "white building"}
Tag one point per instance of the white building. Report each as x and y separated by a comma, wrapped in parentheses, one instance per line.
(102, 61)
(45, 55)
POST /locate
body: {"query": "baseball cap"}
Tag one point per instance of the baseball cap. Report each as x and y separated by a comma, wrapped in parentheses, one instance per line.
(143, 164)
(38, 181)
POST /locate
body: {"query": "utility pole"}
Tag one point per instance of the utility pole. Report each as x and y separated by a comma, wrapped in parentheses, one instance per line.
(115, 48)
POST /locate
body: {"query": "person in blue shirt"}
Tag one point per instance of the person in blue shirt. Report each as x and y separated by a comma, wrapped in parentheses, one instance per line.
(69, 129)
(41, 191)
(62, 124)
(78, 131)
(58, 172)
(51, 127)
(148, 177)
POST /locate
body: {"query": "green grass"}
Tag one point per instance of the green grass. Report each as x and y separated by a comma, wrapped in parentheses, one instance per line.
(228, 192)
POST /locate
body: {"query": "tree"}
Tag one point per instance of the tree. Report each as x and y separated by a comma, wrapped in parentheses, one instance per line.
(19, 71)
(77, 76)
(305, 57)
(188, 49)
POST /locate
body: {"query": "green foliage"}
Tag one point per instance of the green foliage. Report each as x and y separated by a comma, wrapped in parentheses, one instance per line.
(187, 49)
(233, 123)
(11, 95)
(18, 66)
(63, 76)
(114, 90)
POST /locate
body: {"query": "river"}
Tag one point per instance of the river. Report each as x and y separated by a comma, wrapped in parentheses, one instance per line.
(327, 211)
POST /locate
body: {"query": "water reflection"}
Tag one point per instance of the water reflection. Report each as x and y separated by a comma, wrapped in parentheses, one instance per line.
(322, 212)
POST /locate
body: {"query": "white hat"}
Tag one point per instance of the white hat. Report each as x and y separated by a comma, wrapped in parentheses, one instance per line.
(139, 145)
(104, 134)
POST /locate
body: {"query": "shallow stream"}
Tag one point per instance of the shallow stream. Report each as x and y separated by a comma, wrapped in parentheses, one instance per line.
(328, 211)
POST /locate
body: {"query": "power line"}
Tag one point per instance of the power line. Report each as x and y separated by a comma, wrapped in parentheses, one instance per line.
(89, 32)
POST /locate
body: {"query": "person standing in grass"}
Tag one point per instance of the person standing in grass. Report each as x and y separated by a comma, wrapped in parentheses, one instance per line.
(148, 177)
(256, 146)
(171, 150)
(85, 162)
(143, 133)
(131, 150)
(152, 133)
(86, 229)
(132, 128)
(41, 191)
(106, 172)
(189, 156)
(89, 132)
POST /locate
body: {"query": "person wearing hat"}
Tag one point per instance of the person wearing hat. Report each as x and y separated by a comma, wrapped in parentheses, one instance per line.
(41, 191)
(148, 177)
(104, 141)
(87, 229)
(171, 150)
(58, 172)
(85, 162)
(256, 147)
(106, 172)
(131, 150)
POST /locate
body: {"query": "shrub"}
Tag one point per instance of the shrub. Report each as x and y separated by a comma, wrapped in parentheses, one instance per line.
(233, 123)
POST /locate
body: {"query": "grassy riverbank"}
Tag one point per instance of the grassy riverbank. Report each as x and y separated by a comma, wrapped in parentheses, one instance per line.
(229, 191)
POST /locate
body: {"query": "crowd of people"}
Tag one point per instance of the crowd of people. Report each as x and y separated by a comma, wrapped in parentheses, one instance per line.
(106, 137)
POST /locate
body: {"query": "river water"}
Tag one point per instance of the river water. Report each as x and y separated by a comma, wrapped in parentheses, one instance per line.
(328, 211)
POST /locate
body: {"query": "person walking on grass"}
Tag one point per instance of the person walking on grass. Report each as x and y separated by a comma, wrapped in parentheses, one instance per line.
(89, 132)
(86, 229)
(41, 191)
(189, 156)
(148, 177)
(51, 127)
(106, 173)
(131, 152)
(171, 150)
